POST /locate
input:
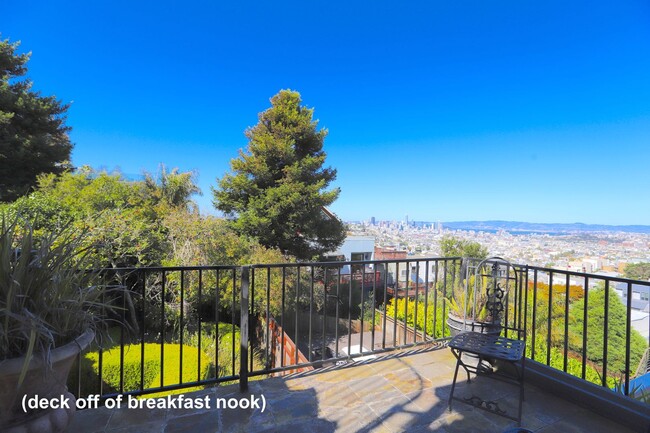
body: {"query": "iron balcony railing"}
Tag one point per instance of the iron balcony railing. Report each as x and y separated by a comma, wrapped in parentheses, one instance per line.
(164, 319)
(197, 326)
(585, 325)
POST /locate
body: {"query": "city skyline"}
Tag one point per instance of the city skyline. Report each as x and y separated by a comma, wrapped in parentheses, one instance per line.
(613, 250)
(450, 112)
(508, 226)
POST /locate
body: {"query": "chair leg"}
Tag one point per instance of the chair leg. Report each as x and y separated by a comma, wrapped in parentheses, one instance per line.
(453, 384)
(459, 357)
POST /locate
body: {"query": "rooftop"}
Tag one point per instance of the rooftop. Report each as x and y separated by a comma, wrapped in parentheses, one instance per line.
(402, 391)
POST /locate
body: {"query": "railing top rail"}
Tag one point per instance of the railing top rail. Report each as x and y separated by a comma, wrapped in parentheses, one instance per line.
(366, 262)
(589, 275)
(169, 268)
(354, 262)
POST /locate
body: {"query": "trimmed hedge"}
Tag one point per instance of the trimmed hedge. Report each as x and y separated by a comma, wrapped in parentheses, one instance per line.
(151, 364)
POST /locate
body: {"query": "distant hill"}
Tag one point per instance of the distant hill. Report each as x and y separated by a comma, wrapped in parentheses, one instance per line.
(517, 226)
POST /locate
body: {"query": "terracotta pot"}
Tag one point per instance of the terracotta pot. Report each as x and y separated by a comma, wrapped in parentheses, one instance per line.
(42, 382)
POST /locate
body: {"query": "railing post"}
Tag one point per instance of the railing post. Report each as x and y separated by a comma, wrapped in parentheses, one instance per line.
(243, 330)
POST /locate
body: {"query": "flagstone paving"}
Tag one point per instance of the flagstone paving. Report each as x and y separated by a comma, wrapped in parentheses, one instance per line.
(401, 392)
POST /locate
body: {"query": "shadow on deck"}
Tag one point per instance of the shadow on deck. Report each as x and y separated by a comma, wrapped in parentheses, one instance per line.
(402, 391)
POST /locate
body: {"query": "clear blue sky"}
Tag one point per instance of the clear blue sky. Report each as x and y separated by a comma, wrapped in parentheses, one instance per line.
(457, 110)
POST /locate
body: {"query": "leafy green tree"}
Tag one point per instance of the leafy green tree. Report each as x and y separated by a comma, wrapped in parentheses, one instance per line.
(172, 188)
(538, 298)
(44, 213)
(451, 246)
(637, 271)
(277, 191)
(33, 135)
(119, 215)
(595, 332)
(197, 241)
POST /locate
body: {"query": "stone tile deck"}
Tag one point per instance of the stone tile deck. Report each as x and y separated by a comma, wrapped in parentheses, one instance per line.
(400, 392)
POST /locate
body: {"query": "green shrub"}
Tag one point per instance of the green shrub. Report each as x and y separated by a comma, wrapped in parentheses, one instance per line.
(436, 330)
(222, 357)
(151, 365)
(574, 361)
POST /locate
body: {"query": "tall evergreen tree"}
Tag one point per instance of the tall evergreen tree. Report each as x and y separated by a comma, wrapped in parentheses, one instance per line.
(277, 190)
(33, 135)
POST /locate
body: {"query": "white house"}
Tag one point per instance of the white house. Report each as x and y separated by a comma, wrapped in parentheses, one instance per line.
(355, 248)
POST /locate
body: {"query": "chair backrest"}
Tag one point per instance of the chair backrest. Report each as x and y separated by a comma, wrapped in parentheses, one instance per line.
(489, 282)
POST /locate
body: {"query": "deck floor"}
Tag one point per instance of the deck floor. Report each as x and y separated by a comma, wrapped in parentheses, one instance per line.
(403, 391)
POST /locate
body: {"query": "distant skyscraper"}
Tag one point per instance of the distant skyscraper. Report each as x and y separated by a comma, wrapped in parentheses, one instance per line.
(372, 220)
(407, 220)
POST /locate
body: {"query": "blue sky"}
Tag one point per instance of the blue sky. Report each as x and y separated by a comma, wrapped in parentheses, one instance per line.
(470, 110)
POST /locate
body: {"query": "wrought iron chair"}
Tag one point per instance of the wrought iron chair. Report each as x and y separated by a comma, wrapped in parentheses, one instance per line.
(485, 347)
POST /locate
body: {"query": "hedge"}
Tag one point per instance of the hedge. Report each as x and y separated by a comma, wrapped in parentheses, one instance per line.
(132, 366)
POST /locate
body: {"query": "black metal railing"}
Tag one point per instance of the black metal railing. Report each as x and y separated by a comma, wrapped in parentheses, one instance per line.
(258, 320)
(579, 324)
(197, 326)
(168, 328)
(314, 314)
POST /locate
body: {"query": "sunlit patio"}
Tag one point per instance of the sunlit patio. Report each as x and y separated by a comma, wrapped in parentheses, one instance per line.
(401, 391)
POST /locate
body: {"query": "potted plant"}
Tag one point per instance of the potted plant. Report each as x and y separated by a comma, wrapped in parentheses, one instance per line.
(50, 307)
(468, 311)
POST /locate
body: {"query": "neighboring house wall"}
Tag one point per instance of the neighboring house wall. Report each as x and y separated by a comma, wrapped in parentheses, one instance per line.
(389, 254)
(357, 248)
(413, 272)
